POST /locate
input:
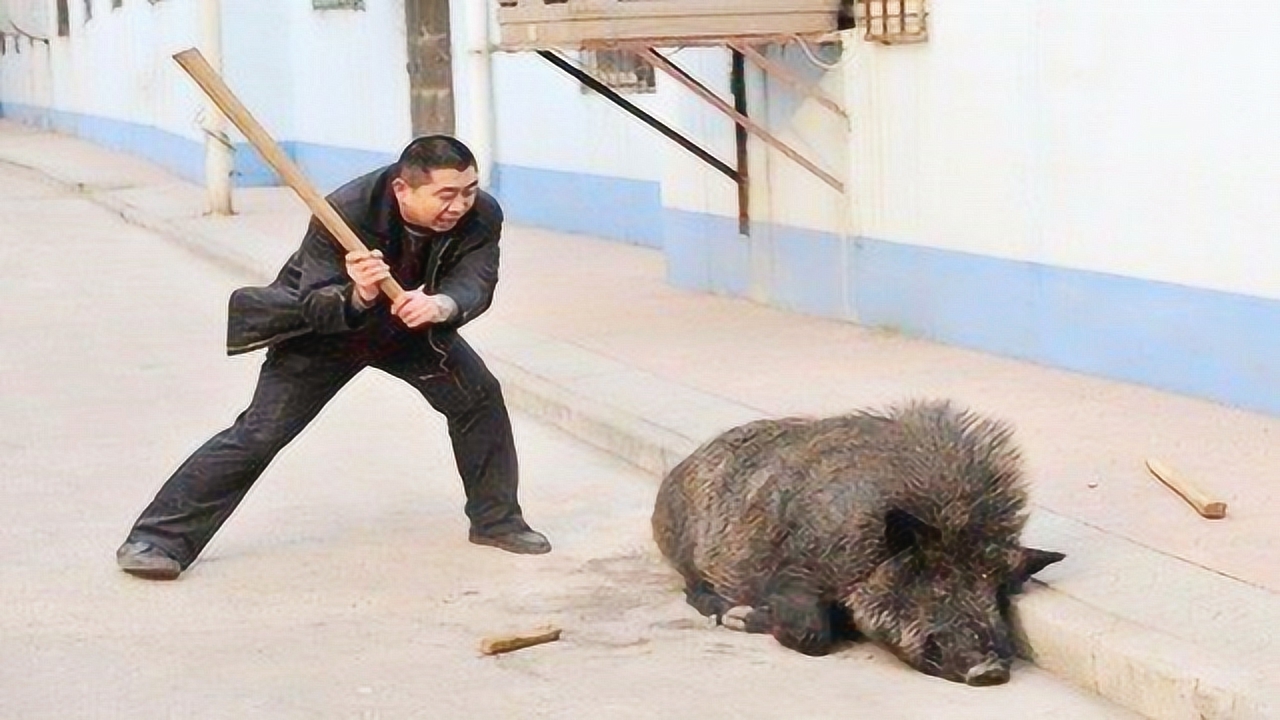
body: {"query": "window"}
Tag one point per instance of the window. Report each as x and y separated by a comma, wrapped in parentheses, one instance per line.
(337, 4)
(115, 4)
(893, 22)
(64, 19)
(88, 10)
(621, 70)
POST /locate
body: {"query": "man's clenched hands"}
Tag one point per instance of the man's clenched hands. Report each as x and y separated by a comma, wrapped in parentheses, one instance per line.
(367, 269)
(416, 308)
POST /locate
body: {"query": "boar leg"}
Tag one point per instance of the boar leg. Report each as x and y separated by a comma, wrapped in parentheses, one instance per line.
(801, 618)
(747, 619)
(706, 600)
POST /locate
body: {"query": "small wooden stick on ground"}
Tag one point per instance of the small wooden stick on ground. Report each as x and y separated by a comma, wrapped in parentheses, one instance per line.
(508, 643)
(1197, 498)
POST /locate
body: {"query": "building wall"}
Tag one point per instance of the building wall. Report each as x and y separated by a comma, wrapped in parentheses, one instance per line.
(111, 81)
(336, 112)
(1029, 182)
(1089, 195)
(572, 160)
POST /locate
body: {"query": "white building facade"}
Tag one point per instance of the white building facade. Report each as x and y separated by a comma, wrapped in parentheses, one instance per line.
(1087, 185)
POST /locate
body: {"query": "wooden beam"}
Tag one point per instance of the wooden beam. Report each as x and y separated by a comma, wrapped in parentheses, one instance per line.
(789, 77)
(747, 123)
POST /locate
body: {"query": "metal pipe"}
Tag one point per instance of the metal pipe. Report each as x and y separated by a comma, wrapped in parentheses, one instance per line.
(219, 157)
(480, 123)
(611, 95)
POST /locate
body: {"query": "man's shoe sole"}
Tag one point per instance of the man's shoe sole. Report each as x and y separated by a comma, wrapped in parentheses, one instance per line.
(516, 549)
(153, 573)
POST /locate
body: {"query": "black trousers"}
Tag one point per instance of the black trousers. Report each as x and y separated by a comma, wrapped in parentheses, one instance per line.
(298, 377)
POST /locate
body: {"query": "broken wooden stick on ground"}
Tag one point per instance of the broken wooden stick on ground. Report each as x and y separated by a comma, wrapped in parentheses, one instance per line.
(508, 643)
(1204, 504)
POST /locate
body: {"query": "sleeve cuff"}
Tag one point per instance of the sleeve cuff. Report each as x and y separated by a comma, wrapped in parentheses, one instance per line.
(357, 303)
(450, 306)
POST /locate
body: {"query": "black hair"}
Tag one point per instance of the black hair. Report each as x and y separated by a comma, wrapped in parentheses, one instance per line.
(433, 152)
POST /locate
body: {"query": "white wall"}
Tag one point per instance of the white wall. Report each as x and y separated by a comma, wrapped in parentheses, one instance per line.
(116, 65)
(333, 77)
(688, 183)
(257, 62)
(545, 121)
(1130, 138)
(349, 78)
(781, 191)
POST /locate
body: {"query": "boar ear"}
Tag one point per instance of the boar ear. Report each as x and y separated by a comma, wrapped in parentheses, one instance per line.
(903, 531)
(1033, 561)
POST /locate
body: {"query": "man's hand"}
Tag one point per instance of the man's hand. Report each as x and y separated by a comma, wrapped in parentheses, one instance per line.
(367, 269)
(416, 308)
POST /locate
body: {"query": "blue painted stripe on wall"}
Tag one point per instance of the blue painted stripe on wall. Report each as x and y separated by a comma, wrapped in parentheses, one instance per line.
(1207, 343)
(180, 155)
(808, 269)
(614, 208)
(969, 300)
(1215, 345)
(327, 167)
(705, 252)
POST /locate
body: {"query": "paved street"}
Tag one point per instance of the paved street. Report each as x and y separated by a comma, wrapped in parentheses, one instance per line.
(344, 587)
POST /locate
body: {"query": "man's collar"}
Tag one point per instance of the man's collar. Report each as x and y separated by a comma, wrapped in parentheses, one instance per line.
(384, 218)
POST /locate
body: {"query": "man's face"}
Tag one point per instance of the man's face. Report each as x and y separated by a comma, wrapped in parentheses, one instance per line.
(439, 202)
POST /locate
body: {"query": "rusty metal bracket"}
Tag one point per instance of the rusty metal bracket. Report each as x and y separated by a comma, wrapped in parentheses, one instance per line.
(611, 95)
(784, 74)
(702, 91)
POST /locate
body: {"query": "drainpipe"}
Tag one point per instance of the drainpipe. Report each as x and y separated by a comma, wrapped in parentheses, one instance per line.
(219, 158)
(480, 130)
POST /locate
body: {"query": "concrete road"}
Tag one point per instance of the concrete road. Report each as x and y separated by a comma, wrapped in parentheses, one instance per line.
(344, 587)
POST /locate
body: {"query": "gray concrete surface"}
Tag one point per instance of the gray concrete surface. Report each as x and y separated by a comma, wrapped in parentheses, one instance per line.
(344, 587)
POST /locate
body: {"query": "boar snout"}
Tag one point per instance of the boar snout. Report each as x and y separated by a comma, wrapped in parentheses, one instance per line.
(992, 671)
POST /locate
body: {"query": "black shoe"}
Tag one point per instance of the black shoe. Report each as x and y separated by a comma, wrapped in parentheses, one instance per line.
(522, 542)
(147, 561)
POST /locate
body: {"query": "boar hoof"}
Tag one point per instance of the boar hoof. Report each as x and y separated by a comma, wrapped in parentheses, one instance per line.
(736, 617)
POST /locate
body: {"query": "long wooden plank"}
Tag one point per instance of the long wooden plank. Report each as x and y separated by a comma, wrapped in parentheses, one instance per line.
(212, 84)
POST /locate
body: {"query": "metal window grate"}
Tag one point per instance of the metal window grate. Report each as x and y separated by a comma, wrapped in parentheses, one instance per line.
(893, 22)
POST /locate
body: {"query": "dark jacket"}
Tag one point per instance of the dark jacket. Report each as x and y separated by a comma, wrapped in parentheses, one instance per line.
(312, 293)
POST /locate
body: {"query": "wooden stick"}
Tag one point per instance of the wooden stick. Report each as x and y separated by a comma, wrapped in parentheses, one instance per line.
(212, 84)
(508, 643)
(1197, 498)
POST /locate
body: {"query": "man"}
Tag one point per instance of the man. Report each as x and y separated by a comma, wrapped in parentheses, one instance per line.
(426, 224)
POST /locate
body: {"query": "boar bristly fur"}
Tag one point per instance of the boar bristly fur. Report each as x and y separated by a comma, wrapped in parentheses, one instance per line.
(902, 525)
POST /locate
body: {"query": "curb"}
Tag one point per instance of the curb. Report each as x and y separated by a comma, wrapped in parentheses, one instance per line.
(1143, 670)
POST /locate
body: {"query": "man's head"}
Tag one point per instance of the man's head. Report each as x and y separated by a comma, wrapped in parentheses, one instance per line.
(435, 182)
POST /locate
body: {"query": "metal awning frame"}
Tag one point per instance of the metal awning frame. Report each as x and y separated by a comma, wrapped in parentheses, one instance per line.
(747, 47)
